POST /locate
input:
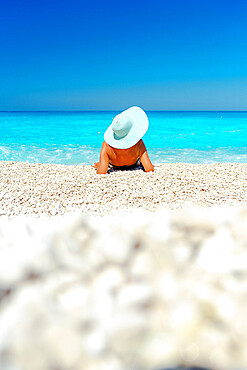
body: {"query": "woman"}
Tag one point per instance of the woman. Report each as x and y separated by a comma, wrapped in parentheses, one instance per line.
(123, 147)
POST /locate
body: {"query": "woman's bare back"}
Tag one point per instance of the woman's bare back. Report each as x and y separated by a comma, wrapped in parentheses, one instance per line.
(123, 157)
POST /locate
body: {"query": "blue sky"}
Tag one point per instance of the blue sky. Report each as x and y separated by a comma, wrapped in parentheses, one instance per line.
(109, 55)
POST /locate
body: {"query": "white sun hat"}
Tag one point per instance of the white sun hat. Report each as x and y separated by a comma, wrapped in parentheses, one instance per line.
(127, 128)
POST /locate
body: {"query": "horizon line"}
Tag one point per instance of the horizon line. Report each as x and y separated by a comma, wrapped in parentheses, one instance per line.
(116, 110)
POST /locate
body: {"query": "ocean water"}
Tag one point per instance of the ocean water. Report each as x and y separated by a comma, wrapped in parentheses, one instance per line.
(76, 137)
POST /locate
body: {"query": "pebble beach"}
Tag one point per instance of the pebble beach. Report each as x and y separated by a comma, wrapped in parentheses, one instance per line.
(52, 189)
(158, 282)
(140, 291)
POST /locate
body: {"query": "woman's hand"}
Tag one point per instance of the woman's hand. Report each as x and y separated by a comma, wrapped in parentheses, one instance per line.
(95, 165)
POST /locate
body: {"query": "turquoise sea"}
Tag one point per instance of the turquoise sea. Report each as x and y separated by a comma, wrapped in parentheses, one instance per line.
(76, 137)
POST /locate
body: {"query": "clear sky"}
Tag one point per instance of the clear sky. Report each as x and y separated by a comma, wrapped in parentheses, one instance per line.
(109, 55)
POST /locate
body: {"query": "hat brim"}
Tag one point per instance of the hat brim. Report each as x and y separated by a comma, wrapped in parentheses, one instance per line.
(138, 130)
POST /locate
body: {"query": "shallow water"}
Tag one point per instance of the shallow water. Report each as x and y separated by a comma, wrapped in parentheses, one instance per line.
(76, 137)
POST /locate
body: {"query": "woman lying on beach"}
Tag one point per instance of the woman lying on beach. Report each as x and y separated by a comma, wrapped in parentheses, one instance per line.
(123, 148)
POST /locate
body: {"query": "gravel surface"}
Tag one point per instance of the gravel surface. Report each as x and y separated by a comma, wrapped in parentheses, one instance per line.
(58, 189)
(139, 291)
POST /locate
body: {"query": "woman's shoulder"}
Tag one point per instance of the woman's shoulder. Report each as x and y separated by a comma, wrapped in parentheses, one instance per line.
(106, 146)
(140, 145)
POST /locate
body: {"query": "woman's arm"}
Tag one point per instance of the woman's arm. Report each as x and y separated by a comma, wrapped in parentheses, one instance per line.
(144, 158)
(103, 161)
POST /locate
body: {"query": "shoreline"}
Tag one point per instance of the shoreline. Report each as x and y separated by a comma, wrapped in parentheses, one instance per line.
(54, 189)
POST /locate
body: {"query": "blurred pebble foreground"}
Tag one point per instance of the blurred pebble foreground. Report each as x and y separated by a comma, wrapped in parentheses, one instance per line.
(138, 291)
